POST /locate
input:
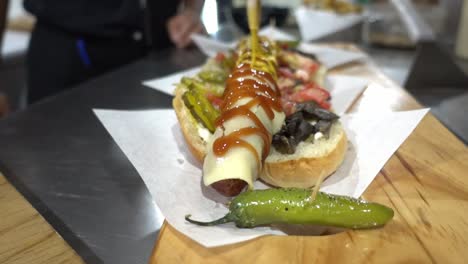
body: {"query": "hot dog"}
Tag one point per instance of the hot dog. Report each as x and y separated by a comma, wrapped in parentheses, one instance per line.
(236, 147)
(251, 113)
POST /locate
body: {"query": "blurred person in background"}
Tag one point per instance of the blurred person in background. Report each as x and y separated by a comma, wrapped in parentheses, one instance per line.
(76, 40)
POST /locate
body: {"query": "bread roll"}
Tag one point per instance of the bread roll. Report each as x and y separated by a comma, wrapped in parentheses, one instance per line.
(300, 169)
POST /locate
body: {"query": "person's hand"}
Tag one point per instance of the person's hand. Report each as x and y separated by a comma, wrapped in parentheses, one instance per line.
(181, 26)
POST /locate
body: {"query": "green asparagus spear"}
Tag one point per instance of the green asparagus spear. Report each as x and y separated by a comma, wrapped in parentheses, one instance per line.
(294, 206)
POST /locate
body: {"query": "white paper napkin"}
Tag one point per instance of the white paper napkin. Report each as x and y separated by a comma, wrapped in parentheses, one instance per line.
(314, 24)
(331, 57)
(167, 83)
(274, 33)
(343, 89)
(153, 143)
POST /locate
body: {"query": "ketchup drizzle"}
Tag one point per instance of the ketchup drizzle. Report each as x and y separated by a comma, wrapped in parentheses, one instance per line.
(247, 82)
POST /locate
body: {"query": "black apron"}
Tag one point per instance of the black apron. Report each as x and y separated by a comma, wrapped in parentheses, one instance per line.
(75, 40)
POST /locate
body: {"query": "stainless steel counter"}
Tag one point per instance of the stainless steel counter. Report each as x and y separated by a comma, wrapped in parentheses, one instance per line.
(62, 159)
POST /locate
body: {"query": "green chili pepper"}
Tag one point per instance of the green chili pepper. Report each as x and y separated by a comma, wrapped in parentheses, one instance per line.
(294, 206)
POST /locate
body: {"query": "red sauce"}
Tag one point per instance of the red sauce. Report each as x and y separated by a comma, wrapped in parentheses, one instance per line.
(246, 82)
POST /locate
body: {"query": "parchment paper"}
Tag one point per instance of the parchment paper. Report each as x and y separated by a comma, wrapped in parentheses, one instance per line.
(343, 89)
(314, 24)
(153, 143)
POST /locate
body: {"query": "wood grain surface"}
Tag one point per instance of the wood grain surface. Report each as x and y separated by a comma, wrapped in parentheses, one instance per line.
(25, 237)
(425, 182)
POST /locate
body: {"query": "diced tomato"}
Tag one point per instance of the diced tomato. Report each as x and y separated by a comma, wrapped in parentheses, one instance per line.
(312, 85)
(286, 72)
(220, 57)
(314, 94)
(312, 68)
(302, 75)
(306, 95)
(285, 84)
(216, 101)
(325, 105)
(284, 46)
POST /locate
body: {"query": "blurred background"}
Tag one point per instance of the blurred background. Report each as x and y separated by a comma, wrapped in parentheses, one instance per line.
(421, 44)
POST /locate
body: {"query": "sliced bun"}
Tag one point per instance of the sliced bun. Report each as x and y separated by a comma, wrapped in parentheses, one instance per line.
(189, 125)
(198, 145)
(301, 169)
(304, 167)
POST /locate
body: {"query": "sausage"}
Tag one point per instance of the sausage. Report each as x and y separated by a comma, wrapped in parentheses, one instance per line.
(251, 113)
(229, 187)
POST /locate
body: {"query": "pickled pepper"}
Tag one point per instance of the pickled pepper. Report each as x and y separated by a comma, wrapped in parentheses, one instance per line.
(294, 206)
(213, 76)
(200, 108)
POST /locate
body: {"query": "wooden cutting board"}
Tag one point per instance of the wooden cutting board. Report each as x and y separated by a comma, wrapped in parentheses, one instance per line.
(25, 237)
(425, 182)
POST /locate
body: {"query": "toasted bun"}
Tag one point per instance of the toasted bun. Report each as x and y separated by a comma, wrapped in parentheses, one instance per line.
(301, 169)
(188, 125)
(304, 167)
(197, 144)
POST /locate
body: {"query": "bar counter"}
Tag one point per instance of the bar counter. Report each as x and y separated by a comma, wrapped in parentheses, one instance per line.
(60, 157)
